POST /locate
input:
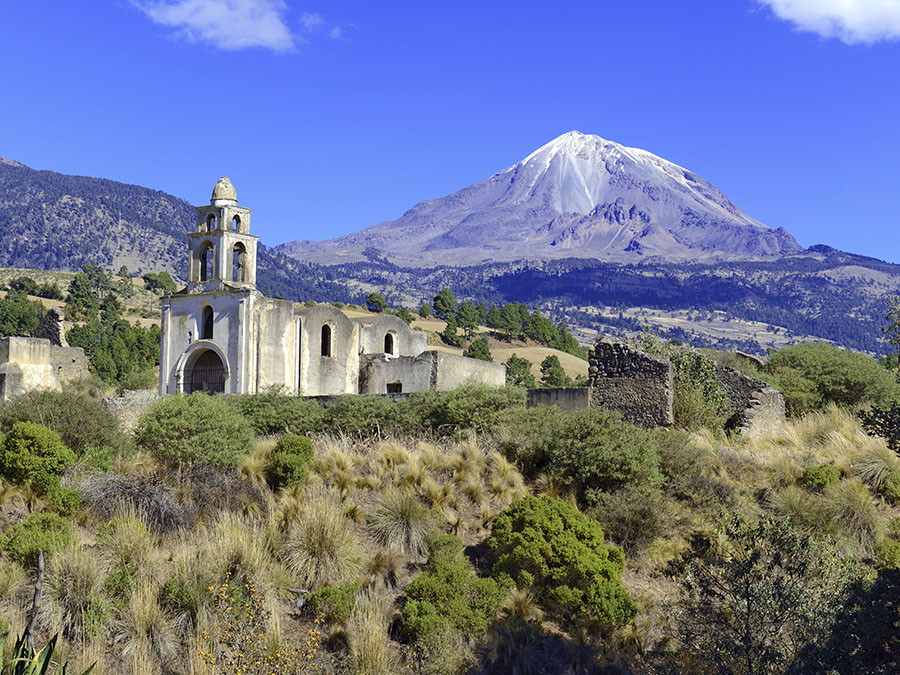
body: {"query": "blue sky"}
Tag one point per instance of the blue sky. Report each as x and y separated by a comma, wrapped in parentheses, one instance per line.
(331, 117)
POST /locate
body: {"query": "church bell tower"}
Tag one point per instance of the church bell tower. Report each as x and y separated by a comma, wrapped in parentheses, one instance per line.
(222, 250)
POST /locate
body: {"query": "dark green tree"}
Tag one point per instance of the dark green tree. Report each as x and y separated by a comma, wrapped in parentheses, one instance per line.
(494, 318)
(479, 349)
(518, 372)
(891, 327)
(444, 304)
(450, 336)
(19, 315)
(467, 318)
(81, 302)
(553, 374)
(425, 310)
(376, 302)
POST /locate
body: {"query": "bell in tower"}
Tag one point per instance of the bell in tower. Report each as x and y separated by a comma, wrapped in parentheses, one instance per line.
(222, 250)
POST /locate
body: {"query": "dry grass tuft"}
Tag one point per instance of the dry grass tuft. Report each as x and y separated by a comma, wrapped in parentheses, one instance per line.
(367, 635)
(73, 584)
(401, 522)
(321, 547)
(145, 631)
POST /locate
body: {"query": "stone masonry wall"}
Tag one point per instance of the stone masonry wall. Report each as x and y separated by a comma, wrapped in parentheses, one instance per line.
(752, 403)
(636, 384)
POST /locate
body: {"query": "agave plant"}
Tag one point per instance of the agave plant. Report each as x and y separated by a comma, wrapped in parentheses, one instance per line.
(25, 660)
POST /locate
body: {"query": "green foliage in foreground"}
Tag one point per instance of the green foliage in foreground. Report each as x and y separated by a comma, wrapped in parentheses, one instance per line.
(181, 431)
(47, 532)
(290, 460)
(820, 476)
(814, 374)
(32, 454)
(592, 450)
(751, 603)
(545, 545)
(334, 604)
(79, 419)
(448, 592)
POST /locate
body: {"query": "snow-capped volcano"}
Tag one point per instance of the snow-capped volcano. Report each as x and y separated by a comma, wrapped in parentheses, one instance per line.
(577, 196)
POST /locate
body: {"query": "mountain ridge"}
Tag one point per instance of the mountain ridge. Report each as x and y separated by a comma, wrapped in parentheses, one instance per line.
(578, 195)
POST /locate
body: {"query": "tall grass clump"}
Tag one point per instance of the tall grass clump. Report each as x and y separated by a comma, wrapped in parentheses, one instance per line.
(367, 635)
(144, 631)
(73, 591)
(401, 522)
(321, 547)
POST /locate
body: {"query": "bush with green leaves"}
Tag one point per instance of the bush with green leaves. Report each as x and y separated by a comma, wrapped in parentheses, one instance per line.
(820, 476)
(273, 413)
(813, 374)
(888, 553)
(755, 595)
(883, 421)
(544, 545)
(471, 406)
(290, 460)
(334, 604)
(181, 431)
(47, 532)
(31, 454)
(367, 416)
(448, 593)
(592, 450)
(80, 420)
(890, 488)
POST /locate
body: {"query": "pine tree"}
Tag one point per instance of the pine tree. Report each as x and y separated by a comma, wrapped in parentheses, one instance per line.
(479, 349)
(553, 374)
(467, 318)
(518, 372)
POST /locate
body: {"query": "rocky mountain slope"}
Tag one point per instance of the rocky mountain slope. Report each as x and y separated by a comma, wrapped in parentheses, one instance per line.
(578, 196)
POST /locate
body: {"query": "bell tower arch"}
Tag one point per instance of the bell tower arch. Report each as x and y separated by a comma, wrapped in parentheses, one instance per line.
(222, 250)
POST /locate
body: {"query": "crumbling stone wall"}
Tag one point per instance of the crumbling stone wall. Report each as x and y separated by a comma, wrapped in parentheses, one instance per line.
(52, 328)
(130, 406)
(27, 364)
(752, 403)
(638, 385)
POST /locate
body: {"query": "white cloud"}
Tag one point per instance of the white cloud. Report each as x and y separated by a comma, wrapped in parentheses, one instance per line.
(226, 24)
(312, 20)
(851, 21)
(336, 33)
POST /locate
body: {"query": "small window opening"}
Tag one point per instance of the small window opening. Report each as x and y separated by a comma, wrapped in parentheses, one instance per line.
(210, 223)
(326, 340)
(389, 344)
(206, 330)
(395, 388)
(239, 263)
(206, 262)
(236, 224)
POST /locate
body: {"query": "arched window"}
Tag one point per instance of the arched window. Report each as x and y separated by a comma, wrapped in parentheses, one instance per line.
(239, 263)
(389, 344)
(326, 340)
(206, 328)
(236, 224)
(207, 262)
(210, 222)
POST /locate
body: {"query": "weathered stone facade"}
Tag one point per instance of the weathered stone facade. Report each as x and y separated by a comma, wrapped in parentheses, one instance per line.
(27, 364)
(222, 335)
(626, 379)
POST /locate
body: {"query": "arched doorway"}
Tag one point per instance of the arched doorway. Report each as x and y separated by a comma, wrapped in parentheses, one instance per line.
(206, 375)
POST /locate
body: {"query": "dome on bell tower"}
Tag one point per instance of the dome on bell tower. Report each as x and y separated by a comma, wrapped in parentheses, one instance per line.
(224, 192)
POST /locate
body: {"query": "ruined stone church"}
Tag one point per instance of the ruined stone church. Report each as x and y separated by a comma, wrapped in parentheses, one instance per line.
(221, 334)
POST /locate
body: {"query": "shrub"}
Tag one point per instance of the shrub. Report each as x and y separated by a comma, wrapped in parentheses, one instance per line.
(33, 454)
(79, 419)
(752, 603)
(546, 545)
(368, 416)
(471, 406)
(592, 450)
(818, 477)
(401, 522)
(290, 460)
(883, 421)
(634, 518)
(109, 494)
(274, 413)
(813, 374)
(46, 532)
(888, 552)
(334, 604)
(448, 593)
(181, 431)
